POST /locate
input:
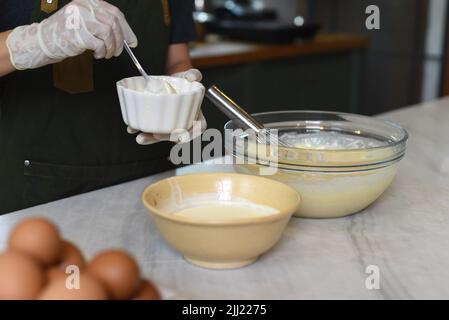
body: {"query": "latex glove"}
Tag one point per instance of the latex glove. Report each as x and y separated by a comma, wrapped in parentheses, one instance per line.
(79, 26)
(191, 75)
(177, 136)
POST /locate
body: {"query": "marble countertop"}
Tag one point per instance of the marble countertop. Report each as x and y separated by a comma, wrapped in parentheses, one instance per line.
(405, 233)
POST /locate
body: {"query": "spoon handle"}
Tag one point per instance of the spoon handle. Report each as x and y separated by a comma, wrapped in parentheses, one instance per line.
(136, 62)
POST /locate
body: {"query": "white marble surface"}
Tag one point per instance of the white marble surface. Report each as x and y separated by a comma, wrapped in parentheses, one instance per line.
(405, 233)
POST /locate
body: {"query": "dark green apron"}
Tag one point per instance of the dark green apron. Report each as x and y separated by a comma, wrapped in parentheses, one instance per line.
(54, 144)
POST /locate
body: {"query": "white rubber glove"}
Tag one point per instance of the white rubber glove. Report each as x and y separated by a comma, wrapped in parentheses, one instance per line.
(79, 26)
(191, 75)
(178, 136)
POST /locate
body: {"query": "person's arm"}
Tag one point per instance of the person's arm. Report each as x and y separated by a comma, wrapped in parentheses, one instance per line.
(6, 66)
(178, 58)
(179, 63)
(79, 26)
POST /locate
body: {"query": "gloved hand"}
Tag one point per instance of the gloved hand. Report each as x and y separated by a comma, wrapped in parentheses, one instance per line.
(191, 75)
(178, 136)
(79, 26)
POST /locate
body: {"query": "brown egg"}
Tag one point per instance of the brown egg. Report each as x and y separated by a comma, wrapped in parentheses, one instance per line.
(71, 255)
(118, 272)
(55, 273)
(21, 277)
(90, 288)
(38, 238)
(147, 291)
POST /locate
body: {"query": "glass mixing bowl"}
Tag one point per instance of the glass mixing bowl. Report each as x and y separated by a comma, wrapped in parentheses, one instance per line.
(339, 163)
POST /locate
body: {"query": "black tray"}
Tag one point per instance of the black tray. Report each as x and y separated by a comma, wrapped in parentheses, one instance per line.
(265, 32)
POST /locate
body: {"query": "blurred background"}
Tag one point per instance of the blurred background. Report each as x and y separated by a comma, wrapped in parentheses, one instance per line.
(318, 54)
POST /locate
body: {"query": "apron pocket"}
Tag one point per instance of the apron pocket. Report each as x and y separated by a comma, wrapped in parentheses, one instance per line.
(45, 182)
(68, 172)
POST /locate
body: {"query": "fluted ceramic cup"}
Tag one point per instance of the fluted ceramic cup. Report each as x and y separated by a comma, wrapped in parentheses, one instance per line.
(160, 113)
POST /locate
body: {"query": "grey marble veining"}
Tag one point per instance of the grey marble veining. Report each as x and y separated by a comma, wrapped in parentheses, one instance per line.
(405, 233)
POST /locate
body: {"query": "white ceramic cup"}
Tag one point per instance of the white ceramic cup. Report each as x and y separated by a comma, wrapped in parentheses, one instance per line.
(160, 113)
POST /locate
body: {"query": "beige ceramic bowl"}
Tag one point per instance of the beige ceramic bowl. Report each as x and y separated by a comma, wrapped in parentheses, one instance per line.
(219, 244)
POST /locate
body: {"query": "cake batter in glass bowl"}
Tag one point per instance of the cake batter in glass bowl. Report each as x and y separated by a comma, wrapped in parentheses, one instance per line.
(340, 163)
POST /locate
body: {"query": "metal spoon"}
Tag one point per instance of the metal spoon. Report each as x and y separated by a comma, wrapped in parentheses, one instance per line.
(152, 84)
(236, 113)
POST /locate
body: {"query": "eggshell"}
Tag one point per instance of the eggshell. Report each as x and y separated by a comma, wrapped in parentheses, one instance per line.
(147, 291)
(21, 277)
(118, 272)
(38, 238)
(71, 255)
(90, 289)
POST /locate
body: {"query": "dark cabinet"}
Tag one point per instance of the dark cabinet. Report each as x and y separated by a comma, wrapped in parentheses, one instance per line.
(330, 81)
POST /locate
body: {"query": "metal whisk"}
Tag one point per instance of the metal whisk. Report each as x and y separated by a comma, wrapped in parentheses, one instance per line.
(242, 118)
